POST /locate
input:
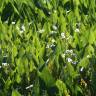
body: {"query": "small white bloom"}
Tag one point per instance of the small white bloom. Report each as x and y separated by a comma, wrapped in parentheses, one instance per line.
(41, 31)
(54, 27)
(52, 45)
(69, 51)
(13, 23)
(48, 46)
(77, 30)
(62, 35)
(0, 67)
(74, 63)
(63, 55)
(29, 86)
(53, 40)
(67, 11)
(88, 56)
(81, 69)
(49, 13)
(23, 27)
(4, 64)
(53, 32)
(69, 60)
(47, 61)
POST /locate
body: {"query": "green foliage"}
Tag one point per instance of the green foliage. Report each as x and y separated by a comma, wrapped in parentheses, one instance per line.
(47, 48)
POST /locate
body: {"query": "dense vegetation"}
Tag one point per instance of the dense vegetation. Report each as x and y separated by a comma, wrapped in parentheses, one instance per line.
(47, 48)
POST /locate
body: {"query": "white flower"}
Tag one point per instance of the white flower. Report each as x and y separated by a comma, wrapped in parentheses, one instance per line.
(53, 40)
(41, 31)
(54, 27)
(23, 28)
(49, 13)
(52, 45)
(69, 60)
(4, 64)
(69, 51)
(48, 46)
(53, 32)
(47, 61)
(29, 86)
(21, 31)
(74, 63)
(81, 69)
(13, 23)
(0, 67)
(88, 56)
(77, 30)
(63, 55)
(67, 11)
(62, 35)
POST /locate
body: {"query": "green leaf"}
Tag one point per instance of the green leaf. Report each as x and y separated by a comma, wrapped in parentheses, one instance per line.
(18, 78)
(14, 51)
(62, 88)
(83, 62)
(91, 38)
(15, 93)
(47, 77)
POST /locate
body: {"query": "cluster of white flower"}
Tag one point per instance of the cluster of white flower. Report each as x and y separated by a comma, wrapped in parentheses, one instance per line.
(21, 29)
(69, 59)
(69, 51)
(50, 46)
